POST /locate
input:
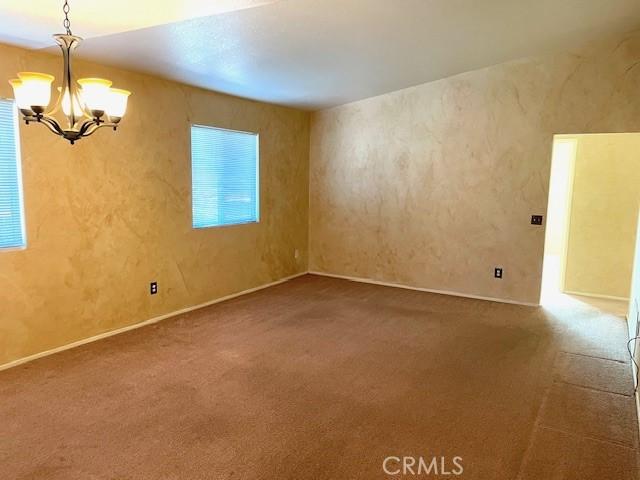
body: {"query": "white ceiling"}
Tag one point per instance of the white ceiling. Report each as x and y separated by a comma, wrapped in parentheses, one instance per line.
(30, 23)
(316, 53)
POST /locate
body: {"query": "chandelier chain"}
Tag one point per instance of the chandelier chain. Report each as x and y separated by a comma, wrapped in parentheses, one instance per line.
(66, 23)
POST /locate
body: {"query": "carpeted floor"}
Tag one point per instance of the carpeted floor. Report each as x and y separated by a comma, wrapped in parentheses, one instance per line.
(321, 378)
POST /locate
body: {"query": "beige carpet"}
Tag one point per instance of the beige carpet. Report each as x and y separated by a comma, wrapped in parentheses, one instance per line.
(321, 378)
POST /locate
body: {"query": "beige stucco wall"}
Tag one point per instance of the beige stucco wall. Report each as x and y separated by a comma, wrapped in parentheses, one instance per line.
(434, 185)
(604, 209)
(112, 213)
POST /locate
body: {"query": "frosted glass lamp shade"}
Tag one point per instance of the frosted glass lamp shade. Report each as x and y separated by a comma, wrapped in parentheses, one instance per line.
(35, 89)
(20, 94)
(118, 99)
(95, 93)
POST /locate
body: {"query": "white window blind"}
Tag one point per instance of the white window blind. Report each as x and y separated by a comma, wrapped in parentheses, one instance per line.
(11, 217)
(224, 176)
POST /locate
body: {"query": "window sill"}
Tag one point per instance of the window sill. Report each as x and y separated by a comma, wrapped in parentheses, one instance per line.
(252, 222)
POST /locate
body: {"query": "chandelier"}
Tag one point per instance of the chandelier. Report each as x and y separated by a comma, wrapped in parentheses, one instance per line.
(86, 104)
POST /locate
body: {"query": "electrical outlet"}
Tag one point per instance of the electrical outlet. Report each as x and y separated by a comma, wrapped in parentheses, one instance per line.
(497, 272)
(296, 254)
(153, 288)
(536, 219)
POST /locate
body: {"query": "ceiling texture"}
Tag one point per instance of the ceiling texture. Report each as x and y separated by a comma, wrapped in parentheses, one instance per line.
(315, 54)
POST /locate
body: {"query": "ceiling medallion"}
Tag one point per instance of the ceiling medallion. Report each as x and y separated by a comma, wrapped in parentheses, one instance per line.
(87, 105)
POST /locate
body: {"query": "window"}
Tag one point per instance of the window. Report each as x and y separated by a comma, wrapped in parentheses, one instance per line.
(224, 177)
(11, 217)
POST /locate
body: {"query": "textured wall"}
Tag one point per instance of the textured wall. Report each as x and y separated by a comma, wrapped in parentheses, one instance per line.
(113, 212)
(434, 185)
(604, 211)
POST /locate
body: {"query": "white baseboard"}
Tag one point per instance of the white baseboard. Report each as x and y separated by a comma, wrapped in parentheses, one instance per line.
(596, 295)
(20, 361)
(110, 333)
(428, 290)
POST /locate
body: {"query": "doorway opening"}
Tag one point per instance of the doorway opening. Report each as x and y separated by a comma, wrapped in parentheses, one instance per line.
(592, 214)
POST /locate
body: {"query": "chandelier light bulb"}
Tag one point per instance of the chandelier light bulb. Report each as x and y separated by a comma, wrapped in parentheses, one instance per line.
(66, 103)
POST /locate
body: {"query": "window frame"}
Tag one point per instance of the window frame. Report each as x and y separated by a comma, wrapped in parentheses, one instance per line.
(258, 170)
(19, 179)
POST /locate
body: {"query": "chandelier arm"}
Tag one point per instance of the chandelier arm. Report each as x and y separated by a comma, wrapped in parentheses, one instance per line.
(51, 124)
(56, 106)
(84, 122)
(68, 83)
(91, 130)
(29, 118)
(84, 127)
